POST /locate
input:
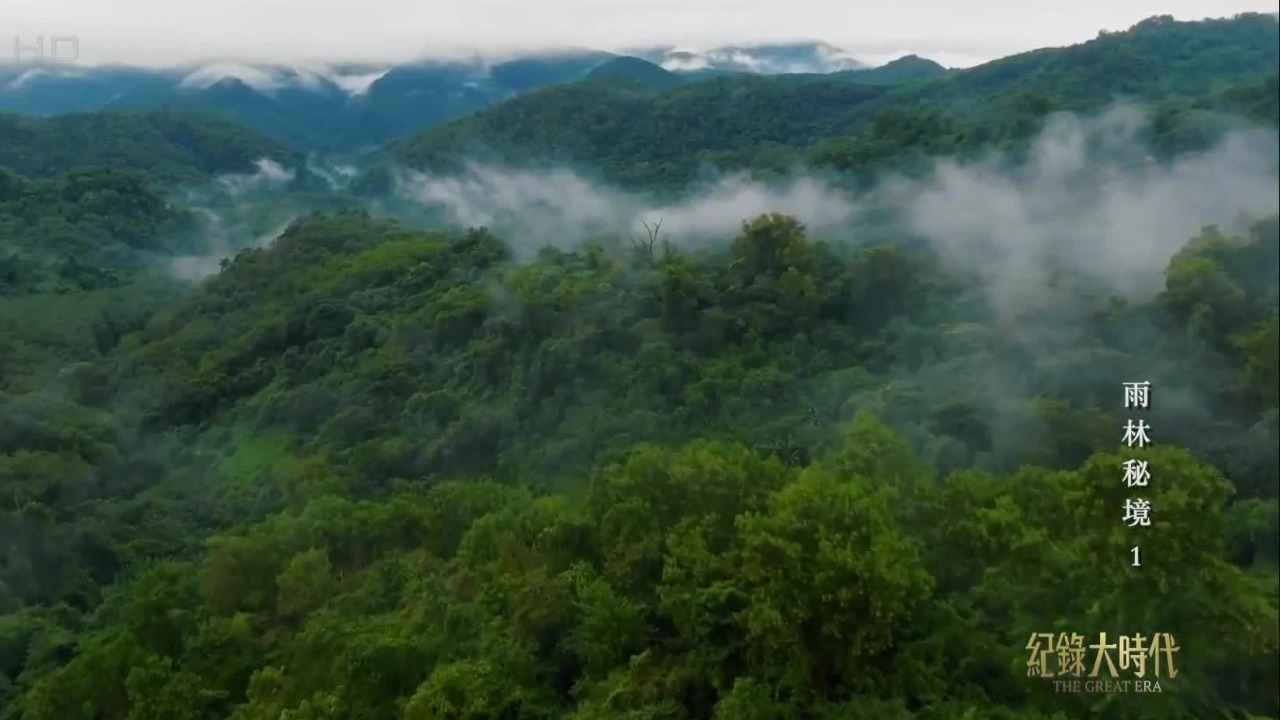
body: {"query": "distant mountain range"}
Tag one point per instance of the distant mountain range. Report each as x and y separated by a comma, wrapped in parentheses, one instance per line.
(352, 106)
(647, 128)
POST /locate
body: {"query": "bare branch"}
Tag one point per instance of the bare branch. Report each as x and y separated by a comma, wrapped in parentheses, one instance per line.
(647, 244)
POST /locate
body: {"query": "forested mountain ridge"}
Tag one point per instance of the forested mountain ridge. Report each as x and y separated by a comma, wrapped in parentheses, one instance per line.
(347, 107)
(169, 146)
(1158, 58)
(665, 137)
(905, 69)
(311, 108)
(635, 70)
(837, 465)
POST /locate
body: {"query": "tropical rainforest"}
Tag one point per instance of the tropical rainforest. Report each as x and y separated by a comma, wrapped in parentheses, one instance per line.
(280, 446)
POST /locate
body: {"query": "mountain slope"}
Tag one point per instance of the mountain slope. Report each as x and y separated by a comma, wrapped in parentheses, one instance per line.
(298, 117)
(98, 203)
(905, 69)
(166, 145)
(1157, 58)
(735, 121)
(51, 89)
(406, 99)
(636, 70)
(86, 229)
(638, 137)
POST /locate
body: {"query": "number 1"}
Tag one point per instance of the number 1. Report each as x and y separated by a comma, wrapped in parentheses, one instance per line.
(1137, 556)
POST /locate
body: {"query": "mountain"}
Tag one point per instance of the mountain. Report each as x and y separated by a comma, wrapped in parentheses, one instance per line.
(345, 107)
(1157, 58)
(408, 98)
(855, 120)
(52, 89)
(905, 69)
(640, 136)
(637, 70)
(310, 107)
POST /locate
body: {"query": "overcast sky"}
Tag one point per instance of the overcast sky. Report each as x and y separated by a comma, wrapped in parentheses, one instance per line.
(954, 32)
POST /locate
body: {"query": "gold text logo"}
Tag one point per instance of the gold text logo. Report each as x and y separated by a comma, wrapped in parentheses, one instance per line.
(1124, 663)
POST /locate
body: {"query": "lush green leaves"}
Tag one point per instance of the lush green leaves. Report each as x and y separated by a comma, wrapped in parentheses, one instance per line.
(369, 472)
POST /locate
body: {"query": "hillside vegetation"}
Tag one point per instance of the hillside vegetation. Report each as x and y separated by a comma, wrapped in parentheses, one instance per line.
(169, 146)
(646, 137)
(88, 201)
(373, 470)
(393, 393)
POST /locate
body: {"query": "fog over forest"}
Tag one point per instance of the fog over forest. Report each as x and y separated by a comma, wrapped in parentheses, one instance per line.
(587, 388)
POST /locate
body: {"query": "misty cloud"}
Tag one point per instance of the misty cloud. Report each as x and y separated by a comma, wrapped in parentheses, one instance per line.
(1087, 201)
(561, 208)
(336, 177)
(194, 267)
(222, 243)
(721, 211)
(291, 31)
(1088, 212)
(269, 173)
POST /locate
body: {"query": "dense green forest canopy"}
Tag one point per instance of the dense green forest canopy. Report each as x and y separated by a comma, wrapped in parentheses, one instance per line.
(362, 374)
(85, 229)
(787, 471)
(169, 146)
(91, 200)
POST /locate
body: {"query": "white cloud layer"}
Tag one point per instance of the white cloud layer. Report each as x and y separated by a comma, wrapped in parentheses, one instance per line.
(1087, 200)
(155, 32)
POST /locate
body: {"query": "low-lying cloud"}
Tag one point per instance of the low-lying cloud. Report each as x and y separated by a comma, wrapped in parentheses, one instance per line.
(562, 208)
(269, 173)
(1088, 211)
(222, 243)
(1088, 200)
(337, 177)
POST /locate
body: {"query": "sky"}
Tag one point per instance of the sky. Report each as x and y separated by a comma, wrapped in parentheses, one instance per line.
(957, 33)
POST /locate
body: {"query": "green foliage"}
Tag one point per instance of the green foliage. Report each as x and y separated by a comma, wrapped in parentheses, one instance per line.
(908, 68)
(804, 561)
(651, 135)
(87, 229)
(634, 70)
(168, 145)
(88, 201)
(367, 471)
(708, 582)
